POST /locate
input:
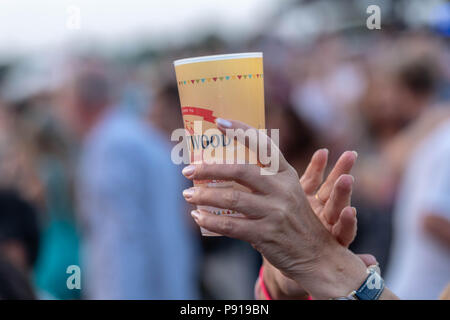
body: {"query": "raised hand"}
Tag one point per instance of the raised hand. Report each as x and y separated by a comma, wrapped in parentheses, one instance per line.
(330, 201)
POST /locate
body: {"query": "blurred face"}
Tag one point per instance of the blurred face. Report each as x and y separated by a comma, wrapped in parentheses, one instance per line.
(67, 111)
(409, 103)
(160, 111)
(383, 106)
(390, 106)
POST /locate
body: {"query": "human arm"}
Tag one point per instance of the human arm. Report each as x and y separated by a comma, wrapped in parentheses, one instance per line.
(334, 193)
(280, 223)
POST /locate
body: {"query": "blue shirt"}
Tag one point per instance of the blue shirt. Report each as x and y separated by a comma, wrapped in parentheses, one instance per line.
(136, 239)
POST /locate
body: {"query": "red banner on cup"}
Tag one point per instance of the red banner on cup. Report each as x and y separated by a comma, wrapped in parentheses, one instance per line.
(206, 114)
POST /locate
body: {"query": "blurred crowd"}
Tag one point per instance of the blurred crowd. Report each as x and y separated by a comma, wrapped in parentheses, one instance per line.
(86, 177)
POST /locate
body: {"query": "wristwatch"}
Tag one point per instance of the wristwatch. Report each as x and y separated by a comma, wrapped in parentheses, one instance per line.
(371, 289)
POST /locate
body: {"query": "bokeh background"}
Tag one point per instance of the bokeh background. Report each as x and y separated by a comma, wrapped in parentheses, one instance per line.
(79, 187)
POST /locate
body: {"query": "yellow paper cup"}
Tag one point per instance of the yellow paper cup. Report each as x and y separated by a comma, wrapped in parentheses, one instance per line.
(228, 86)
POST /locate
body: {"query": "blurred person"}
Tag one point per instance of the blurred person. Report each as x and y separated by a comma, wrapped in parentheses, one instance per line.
(331, 84)
(397, 152)
(165, 112)
(36, 162)
(401, 89)
(401, 111)
(60, 237)
(402, 84)
(25, 93)
(18, 166)
(135, 242)
(19, 244)
(418, 76)
(420, 254)
(14, 285)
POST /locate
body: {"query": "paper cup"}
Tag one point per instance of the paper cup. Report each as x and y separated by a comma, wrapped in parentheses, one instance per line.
(228, 86)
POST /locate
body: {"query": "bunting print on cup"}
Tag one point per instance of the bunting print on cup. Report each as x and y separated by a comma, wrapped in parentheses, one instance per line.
(221, 78)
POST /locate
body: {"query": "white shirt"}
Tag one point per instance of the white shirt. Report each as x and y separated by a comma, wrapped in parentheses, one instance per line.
(420, 265)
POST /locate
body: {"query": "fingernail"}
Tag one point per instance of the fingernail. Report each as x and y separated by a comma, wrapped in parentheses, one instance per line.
(188, 193)
(356, 153)
(188, 171)
(326, 150)
(195, 214)
(223, 123)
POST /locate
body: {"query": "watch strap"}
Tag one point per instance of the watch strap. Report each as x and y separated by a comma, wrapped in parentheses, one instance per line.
(372, 288)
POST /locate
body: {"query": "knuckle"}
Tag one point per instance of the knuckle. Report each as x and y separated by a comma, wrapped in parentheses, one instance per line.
(226, 226)
(279, 211)
(343, 188)
(206, 221)
(200, 170)
(233, 197)
(257, 239)
(239, 171)
(269, 233)
(199, 195)
(289, 196)
(282, 213)
(278, 187)
(313, 180)
(270, 230)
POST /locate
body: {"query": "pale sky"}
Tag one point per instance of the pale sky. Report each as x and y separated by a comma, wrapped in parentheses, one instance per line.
(36, 24)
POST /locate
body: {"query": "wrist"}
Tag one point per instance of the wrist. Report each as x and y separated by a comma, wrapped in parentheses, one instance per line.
(271, 278)
(338, 273)
(271, 285)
